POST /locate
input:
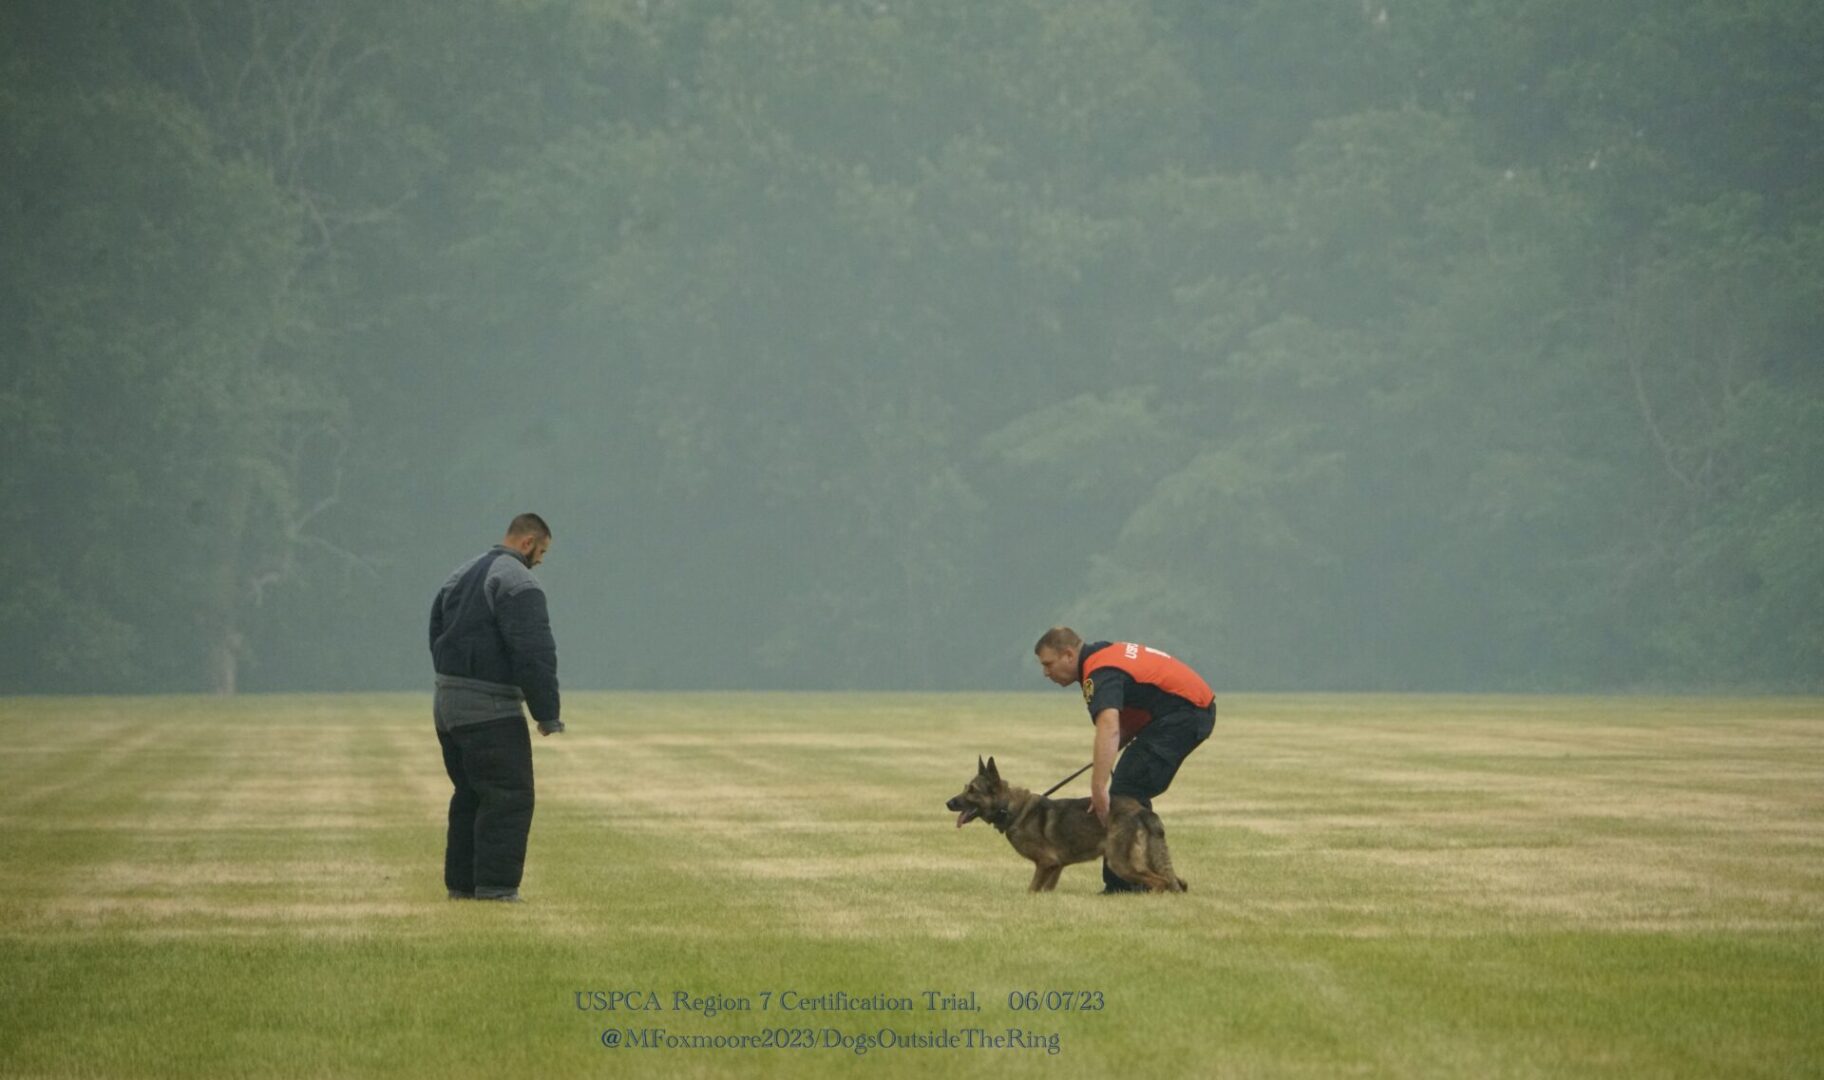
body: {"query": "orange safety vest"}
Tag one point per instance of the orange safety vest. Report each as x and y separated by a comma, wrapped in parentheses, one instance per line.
(1145, 665)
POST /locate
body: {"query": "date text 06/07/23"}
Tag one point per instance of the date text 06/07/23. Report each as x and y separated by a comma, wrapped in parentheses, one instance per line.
(837, 1001)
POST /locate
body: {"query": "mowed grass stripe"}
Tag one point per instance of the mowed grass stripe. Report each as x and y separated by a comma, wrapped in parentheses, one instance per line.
(203, 814)
(1381, 887)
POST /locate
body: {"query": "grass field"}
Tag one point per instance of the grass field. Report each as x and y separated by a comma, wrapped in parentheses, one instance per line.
(1381, 886)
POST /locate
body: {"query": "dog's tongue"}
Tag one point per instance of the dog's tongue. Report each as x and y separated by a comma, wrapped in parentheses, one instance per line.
(965, 817)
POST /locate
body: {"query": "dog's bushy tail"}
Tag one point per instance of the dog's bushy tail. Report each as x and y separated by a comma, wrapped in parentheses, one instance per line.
(1157, 854)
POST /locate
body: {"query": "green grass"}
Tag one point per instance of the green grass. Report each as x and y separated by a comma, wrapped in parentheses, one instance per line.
(1381, 886)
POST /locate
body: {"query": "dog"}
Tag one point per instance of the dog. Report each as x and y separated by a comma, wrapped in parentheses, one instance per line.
(1055, 833)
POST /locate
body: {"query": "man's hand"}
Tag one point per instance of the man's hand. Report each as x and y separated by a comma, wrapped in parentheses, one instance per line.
(1098, 804)
(552, 727)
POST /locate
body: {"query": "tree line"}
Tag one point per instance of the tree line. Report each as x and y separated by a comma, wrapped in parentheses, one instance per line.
(1349, 344)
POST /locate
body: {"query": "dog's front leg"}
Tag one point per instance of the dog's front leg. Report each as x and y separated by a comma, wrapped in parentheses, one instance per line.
(1043, 877)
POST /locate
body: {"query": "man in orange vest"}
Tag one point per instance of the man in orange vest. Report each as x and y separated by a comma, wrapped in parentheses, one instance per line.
(1140, 699)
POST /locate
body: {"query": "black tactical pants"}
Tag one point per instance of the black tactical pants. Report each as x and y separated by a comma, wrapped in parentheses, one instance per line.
(491, 810)
(1150, 762)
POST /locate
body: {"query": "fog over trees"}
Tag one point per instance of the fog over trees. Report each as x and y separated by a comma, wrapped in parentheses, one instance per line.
(1332, 344)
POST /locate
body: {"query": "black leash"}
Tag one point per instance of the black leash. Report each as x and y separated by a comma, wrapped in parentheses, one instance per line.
(1066, 780)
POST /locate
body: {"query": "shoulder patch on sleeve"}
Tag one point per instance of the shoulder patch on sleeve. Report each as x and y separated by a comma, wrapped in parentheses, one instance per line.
(1089, 689)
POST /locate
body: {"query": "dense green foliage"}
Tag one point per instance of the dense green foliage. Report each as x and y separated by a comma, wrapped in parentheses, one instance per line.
(1334, 344)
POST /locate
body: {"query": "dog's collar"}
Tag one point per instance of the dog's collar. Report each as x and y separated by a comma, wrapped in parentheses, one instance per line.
(1002, 818)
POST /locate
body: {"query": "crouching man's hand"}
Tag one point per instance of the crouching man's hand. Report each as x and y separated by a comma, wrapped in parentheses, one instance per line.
(1098, 804)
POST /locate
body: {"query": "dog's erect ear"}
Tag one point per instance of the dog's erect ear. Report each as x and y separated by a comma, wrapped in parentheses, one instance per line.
(991, 769)
(979, 767)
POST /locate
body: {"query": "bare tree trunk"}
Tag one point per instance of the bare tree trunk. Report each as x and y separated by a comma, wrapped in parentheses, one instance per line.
(225, 663)
(227, 586)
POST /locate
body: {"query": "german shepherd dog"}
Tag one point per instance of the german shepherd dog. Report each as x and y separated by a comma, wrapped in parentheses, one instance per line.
(1054, 833)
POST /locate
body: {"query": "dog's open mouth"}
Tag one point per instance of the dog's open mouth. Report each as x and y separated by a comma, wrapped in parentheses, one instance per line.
(966, 817)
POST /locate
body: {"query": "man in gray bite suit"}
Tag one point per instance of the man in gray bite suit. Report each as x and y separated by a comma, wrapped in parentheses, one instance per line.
(492, 647)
